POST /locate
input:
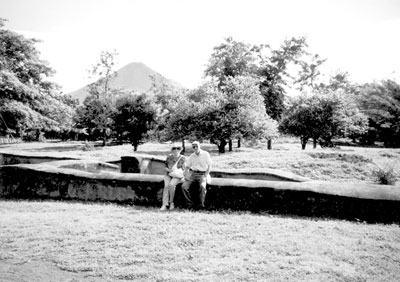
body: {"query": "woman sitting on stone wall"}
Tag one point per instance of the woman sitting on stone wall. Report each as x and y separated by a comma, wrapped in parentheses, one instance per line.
(174, 167)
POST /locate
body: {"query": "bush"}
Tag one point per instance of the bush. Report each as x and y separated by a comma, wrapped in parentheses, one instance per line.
(386, 175)
(88, 147)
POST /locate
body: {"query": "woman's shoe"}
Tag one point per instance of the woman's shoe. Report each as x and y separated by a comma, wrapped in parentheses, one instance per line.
(171, 206)
(163, 208)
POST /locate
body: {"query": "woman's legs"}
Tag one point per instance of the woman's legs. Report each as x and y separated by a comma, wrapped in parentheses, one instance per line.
(171, 189)
(165, 200)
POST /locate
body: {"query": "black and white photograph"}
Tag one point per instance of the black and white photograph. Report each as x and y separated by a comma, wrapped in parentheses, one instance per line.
(199, 140)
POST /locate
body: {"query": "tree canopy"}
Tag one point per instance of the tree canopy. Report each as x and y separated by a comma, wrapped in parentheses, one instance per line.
(274, 68)
(134, 117)
(95, 115)
(222, 113)
(322, 117)
(28, 100)
(380, 101)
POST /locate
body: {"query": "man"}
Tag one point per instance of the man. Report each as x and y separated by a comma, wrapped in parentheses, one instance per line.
(197, 170)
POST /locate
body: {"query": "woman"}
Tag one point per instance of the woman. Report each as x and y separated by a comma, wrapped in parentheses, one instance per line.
(174, 167)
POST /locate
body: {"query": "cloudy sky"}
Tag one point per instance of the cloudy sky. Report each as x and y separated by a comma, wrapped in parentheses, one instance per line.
(176, 37)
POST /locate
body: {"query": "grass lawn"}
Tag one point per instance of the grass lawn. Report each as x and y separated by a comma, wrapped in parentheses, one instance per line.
(107, 242)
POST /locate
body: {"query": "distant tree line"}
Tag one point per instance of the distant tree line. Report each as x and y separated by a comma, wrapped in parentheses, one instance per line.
(244, 96)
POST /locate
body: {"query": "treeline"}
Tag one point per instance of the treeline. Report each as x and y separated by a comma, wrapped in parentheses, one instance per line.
(246, 95)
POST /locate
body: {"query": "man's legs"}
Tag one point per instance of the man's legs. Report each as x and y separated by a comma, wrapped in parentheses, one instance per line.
(186, 193)
(202, 192)
(196, 186)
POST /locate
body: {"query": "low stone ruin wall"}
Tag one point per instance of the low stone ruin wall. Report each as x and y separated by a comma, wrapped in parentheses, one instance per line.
(156, 165)
(57, 180)
(14, 158)
(144, 164)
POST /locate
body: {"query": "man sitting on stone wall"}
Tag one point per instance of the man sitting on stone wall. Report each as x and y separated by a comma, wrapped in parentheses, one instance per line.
(197, 170)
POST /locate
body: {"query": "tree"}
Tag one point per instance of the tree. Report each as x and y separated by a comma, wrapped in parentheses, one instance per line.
(95, 116)
(98, 107)
(322, 117)
(274, 68)
(134, 117)
(184, 110)
(381, 103)
(235, 111)
(230, 59)
(28, 101)
(163, 97)
(278, 69)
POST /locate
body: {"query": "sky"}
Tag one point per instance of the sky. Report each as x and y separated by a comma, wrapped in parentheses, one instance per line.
(176, 37)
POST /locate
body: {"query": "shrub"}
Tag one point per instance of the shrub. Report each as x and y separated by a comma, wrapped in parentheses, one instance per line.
(88, 147)
(386, 175)
(388, 155)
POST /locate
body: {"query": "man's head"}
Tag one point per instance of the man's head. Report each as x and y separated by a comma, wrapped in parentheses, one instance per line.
(196, 146)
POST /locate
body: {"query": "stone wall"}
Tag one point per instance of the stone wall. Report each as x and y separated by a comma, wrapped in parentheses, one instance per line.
(247, 190)
(156, 165)
(371, 203)
(14, 158)
(46, 181)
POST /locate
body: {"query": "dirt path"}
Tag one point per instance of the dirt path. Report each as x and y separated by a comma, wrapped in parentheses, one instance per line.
(40, 271)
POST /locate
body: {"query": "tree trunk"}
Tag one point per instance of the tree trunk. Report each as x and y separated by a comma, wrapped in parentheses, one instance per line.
(230, 145)
(303, 142)
(221, 146)
(104, 138)
(183, 146)
(135, 146)
(314, 143)
(269, 144)
(37, 137)
(238, 143)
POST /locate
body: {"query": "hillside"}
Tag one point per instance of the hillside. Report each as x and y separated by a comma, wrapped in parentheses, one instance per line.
(134, 76)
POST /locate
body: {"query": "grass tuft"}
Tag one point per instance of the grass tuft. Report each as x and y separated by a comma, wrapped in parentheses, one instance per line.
(351, 158)
(386, 175)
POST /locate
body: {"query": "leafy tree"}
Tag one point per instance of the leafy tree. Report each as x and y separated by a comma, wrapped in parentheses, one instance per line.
(230, 59)
(184, 109)
(274, 68)
(163, 98)
(277, 70)
(381, 103)
(28, 101)
(134, 117)
(219, 115)
(322, 117)
(95, 116)
(98, 107)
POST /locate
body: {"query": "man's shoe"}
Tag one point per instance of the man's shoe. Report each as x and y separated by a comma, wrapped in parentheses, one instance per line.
(163, 208)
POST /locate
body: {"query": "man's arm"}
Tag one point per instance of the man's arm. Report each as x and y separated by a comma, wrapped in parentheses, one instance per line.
(209, 165)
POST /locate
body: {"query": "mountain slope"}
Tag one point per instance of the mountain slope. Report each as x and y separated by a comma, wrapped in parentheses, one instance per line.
(134, 76)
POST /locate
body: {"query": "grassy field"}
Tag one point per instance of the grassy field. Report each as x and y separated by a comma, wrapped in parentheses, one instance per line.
(104, 242)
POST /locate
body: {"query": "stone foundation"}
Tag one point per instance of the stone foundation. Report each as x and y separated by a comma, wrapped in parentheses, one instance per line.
(246, 190)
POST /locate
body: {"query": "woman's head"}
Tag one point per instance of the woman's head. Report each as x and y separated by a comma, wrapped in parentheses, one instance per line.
(176, 149)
